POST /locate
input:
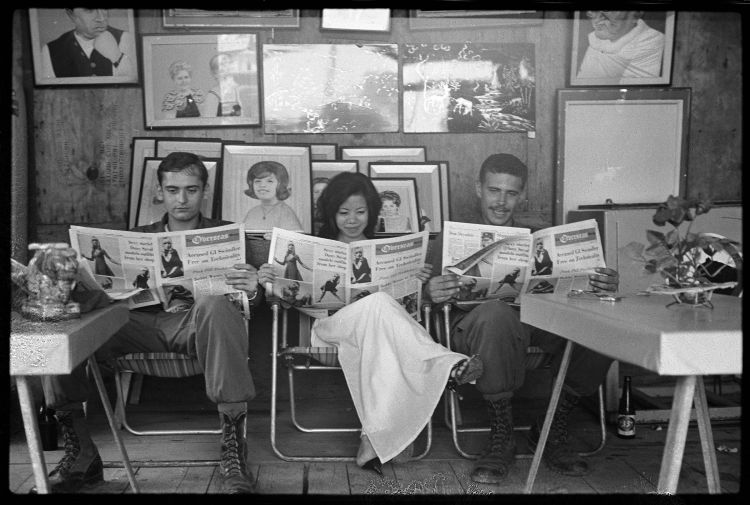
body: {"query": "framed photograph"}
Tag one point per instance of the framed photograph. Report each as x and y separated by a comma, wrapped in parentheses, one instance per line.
(400, 211)
(445, 189)
(457, 19)
(198, 18)
(616, 48)
(201, 80)
(427, 176)
(620, 146)
(330, 88)
(468, 88)
(323, 151)
(360, 20)
(322, 172)
(60, 60)
(364, 155)
(151, 204)
(264, 195)
(140, 148)
(207, 148)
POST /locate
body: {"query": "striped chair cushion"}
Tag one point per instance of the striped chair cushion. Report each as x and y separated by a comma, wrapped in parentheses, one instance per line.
(326, 356)
(159, 364)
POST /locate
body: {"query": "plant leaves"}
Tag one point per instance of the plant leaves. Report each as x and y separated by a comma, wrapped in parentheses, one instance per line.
(634, 251)
(655, 237)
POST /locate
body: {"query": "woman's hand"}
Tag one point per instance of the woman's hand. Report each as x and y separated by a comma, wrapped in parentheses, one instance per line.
(605, 279)
(266, 274)
(425, 273)
(244, 277)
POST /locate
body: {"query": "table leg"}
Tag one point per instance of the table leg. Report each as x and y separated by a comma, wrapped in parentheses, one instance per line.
(33, 440)
(548, 417)
(707, 437)
(112, 424)
(679, 418)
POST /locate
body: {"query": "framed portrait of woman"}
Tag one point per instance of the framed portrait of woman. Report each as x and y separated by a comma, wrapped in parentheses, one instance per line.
(83, 46)
(201, 80)
(267, 186)
(400, 211)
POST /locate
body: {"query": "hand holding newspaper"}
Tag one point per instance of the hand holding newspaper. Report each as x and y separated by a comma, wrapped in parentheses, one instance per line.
(167, 268)
(506, 262)
(319, 275)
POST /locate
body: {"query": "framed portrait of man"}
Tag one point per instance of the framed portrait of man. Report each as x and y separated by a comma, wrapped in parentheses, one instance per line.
(615, 48)
(83, 46)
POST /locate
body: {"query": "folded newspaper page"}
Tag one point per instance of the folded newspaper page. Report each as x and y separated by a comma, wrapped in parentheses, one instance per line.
(318, 275)
(167, 268)
(504, 262)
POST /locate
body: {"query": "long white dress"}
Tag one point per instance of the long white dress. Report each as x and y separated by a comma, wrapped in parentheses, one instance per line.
(395, 371)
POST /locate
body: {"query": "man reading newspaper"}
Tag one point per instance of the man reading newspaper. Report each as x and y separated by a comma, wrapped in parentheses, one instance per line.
(493, 330)
(209, 328)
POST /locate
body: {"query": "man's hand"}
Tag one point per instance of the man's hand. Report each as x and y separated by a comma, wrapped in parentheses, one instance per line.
(605, 279)
(443, 287)
(107, 46)
(266, 274)
(244, 277)
(425, 273)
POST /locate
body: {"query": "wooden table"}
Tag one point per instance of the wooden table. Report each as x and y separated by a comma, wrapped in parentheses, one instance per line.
(678, 341)
(55, 348)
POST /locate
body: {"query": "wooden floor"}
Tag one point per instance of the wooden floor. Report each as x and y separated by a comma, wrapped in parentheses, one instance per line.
(624, 466)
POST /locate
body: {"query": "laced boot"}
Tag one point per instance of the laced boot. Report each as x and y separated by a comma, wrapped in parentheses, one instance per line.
(494, 463)
(237, 479)
(557, 453)
(81, 464)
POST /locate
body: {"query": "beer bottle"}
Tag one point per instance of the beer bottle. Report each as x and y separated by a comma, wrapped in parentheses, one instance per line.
(47, 428)
(626, 413)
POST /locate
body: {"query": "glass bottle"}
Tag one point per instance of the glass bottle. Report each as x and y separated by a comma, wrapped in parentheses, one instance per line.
(626, 412)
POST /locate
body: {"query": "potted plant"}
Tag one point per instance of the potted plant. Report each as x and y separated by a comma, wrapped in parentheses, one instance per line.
(681, 256)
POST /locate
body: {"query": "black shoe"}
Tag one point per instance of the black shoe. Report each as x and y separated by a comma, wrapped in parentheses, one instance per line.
(558, 455)
(493, 465)
(236, 478)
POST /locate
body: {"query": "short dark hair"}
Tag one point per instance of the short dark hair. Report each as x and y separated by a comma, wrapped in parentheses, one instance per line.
(339, 189)
(183, 162)
(391, 195)
(502, 163)
(263, 168)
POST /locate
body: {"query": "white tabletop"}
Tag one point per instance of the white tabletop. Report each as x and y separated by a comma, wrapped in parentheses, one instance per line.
(55, 348)
(641, 330)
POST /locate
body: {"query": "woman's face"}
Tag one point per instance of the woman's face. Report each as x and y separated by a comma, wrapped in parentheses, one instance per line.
(290, 248)
(94, 243)
(390, 208)
(317, 190)
(265, 187)
(182, 79)
(351, 219)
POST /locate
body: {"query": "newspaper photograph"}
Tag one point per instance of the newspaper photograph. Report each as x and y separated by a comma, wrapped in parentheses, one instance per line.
(504, 262)
(168, 268)
(317, 275)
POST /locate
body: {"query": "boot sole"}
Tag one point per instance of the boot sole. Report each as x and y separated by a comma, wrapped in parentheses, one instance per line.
(532, 447)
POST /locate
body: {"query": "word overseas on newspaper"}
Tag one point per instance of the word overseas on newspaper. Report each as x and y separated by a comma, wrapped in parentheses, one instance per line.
(505, 262)
(319, 275)
(171, 268)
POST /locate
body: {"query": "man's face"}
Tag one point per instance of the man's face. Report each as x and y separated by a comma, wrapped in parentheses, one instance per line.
(611, 25)
(498, 196)
(89, 23)
(183, 194)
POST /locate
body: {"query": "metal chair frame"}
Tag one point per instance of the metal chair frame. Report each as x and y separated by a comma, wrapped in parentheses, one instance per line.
(281, 350)
(452, 410)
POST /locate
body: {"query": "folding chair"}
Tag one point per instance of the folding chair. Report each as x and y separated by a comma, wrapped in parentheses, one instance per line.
(536, 358)
(291, 357)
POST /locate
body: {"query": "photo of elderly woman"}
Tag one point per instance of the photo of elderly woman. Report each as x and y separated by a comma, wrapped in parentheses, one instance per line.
(268, 181)
(184, 99)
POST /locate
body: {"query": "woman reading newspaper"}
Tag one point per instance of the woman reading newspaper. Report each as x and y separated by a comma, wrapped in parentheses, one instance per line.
(395, 371)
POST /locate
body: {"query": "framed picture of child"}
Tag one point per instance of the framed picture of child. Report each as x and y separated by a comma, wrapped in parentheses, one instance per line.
(400, 210)
(151, 200)
(201, 80)
(267, 186)
(429, 188)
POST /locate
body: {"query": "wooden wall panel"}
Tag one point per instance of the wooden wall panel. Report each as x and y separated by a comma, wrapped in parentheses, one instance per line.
(707, 58)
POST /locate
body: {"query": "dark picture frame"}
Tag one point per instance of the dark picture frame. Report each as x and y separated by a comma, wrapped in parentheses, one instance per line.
(603, 67)
(398, 195)
(56, 53)
(140, 149)
(420, 19)
(222, 80)
(211, 19)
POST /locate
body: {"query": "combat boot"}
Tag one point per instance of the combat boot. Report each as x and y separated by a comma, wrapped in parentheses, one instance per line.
(496, 459)
(557, 453)
(236, 477)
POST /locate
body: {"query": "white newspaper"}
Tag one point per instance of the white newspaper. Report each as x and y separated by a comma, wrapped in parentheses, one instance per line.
(504, 262)
(168, 268)
(319, 275)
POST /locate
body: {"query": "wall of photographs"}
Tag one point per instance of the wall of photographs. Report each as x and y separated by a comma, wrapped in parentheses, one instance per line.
(458, 89)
